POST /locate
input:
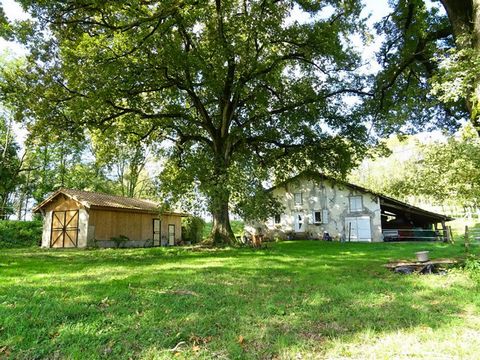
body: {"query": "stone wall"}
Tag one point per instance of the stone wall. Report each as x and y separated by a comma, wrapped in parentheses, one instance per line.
(331, 199)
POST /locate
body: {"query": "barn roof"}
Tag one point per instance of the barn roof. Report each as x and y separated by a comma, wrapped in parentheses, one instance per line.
(100, 200)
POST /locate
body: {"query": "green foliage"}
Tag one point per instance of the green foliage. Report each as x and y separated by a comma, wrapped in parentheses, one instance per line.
(457, 75)
(238, 227)
(472, 264)
(234, 91)
(16, 234)
(292, 300)
(192, 229)
(125, 157)
(414, 35)
(441, 172)
(10, 168)
(119, 240)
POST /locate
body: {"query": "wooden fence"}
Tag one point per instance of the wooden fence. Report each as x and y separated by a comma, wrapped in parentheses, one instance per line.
(472, 237)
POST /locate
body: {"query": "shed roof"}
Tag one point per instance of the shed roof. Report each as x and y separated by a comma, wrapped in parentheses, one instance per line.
(100, 200)
(385, 201)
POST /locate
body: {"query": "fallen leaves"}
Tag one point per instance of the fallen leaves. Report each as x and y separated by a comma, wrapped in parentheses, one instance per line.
(4, 352)
(182, 292)
(196, 341)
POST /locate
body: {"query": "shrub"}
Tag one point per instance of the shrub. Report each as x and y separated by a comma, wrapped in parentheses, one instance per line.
(193, 229)
(472, 266)
(119, 240)
(14, 234)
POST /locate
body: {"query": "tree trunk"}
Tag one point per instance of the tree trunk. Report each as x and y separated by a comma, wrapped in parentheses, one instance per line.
(222, 233)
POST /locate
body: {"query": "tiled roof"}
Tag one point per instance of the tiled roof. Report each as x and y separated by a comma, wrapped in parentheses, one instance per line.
(95, 199)
(112, 201)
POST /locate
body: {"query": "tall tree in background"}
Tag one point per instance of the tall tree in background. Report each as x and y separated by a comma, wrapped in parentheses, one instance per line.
(235, 90)
(125, 157)
(431, 62)
(10, 168)
(437, 173)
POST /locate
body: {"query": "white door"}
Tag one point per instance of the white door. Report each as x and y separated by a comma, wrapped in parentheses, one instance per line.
(358, 228)
(364, 233)
(299, 221)
(156, 232)
(171, 234)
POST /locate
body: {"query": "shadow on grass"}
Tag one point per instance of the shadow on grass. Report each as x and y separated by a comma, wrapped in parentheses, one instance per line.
(113, 303)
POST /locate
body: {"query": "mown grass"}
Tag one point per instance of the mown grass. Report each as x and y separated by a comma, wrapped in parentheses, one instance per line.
(292, 300)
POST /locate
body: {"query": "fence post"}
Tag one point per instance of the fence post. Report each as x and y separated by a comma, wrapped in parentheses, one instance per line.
(466, 239)
(445, 232)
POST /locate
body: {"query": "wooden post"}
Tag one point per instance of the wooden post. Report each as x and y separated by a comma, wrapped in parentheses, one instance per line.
(446, 235)
(349, 231)
(467, 241)
(450, 234)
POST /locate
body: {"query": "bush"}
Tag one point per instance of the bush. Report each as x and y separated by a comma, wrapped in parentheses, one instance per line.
(472, 266)
(119, 240)
(193, 229)
(15, 234)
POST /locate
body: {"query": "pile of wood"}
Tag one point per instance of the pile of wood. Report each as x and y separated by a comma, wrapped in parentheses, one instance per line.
(426, 267)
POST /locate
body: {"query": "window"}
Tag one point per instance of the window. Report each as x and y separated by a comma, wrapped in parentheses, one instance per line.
(298, 198)
(355, 203)
(317, 217)
(277, 219)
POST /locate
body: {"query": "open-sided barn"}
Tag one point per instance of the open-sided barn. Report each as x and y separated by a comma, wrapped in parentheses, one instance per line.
(74, 218)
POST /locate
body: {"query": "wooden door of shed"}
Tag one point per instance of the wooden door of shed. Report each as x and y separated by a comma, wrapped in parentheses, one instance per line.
(64, 232)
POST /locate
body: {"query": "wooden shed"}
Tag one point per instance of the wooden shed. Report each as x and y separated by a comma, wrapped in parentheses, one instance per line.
(74, 218)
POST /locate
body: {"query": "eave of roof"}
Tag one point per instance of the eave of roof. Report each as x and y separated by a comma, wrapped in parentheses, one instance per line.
(106, 201)
(316, 175)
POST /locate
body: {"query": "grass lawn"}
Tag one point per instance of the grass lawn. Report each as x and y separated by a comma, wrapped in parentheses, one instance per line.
(293, 300)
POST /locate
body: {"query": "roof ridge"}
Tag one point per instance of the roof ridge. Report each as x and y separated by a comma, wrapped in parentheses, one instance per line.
(65, 189)
(312, 173)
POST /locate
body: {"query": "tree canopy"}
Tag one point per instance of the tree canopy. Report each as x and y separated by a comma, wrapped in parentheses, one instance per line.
(234, 91)
(438, 173)
(10, 167)
(430, 63)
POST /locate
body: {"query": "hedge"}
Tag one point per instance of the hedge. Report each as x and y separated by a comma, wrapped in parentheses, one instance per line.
(14, 234)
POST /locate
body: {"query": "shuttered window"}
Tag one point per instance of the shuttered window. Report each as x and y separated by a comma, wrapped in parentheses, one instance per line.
(298, 198)
(355, 203)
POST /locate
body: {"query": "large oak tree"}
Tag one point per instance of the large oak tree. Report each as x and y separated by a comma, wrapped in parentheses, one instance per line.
(234, 90)
(430, 63)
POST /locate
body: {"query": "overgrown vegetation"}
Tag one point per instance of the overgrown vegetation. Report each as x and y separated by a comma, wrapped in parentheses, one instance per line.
(15, 234)
(193, 229)
(292, 300)
(119, 240)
